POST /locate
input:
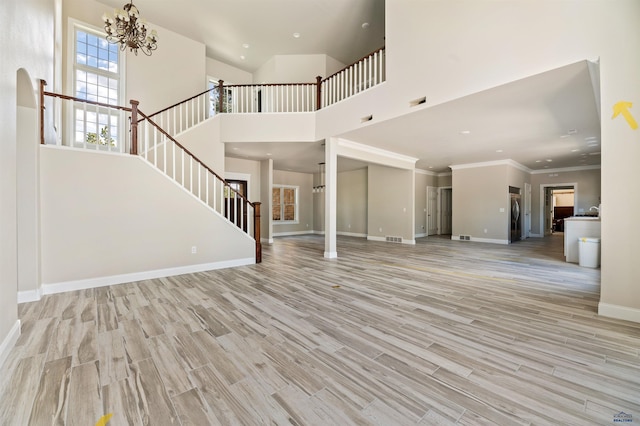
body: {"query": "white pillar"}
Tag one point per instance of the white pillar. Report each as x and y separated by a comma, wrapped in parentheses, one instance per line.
(331, 197)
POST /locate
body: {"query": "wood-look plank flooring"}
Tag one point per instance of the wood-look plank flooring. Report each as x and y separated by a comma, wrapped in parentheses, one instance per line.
(443, 332)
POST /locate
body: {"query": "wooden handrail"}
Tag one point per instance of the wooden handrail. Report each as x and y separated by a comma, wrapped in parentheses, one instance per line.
(42, 84)
(181, 102)
(359, 60)
(72, 98)
(172, 139)
(271, 84)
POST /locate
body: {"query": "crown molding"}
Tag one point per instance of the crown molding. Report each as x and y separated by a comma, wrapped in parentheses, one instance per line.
(508, 162)
(565, 169)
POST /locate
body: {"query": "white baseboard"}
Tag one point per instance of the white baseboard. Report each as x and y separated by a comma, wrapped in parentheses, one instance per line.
(266, 240)
(62, 287)
(480, 240)
(352, 234)
(535, 235)
(373, 238)
(619, 312)
(9, 342)
(424, 234)
(318, 232)
(29, 296)
(289, 234)
(331, 254)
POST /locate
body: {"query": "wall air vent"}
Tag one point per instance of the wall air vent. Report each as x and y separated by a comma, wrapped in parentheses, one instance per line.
(367, 118)
(418, 101)
(393, 239)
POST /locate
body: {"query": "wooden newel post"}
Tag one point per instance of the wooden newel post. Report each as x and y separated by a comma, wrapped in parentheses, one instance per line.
(318, 93)
(221, 95)
(256, 231)
(42, 84)
(134, 127)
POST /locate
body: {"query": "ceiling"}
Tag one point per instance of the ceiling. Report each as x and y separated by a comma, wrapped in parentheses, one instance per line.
(546, 121)
(267, 27)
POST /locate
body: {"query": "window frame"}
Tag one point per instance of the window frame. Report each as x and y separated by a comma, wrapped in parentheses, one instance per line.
(72, 67)
(296, 204)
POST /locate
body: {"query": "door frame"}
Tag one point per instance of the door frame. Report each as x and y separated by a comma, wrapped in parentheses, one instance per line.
(543, 212)
(436, 212)
(441, 210)
(527, 211)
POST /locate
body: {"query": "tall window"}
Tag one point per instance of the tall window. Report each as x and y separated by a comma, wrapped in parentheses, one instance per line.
(96, 78)
(285, 203)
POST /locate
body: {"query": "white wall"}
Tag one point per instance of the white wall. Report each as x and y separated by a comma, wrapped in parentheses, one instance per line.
(304, 182)
(390, 202)
(108, 215)
(228, 73)
(351, 215)
(203, 141)
(157, 81)
(28, 44)
(296, 68)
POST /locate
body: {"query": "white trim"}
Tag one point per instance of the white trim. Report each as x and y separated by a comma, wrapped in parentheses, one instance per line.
(344, 143)
(543, 188)
(9, 342)
(426, 172)
(619, 312)
(492, 163)
(410, 242)
(331, 254)
(535, 235)
(480, 240)
(374, 238)
(443, 174)
(317, 232)
(291, 233)
(29, 296)
(566, 169)
(422, 234)
(351, 234)
(62, 287)
(266, 240)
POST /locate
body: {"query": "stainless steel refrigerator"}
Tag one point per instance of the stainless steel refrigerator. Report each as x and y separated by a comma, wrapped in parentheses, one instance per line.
(515, 222)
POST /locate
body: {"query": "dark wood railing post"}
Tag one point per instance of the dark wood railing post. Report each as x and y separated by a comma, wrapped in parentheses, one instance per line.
(318, 92)
(256, 231)
(134, 127)
(42, 84)
(221, 94)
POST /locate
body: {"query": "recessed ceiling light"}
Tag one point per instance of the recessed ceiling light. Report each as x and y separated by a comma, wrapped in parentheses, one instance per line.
(236, 149)
(591, 138)
(549, 160)
(246, 45)
(242, 57)
(572, 132)
(268, 153)
(538, 161)
(365, 25)
(575, 150)
(564, 136)
(498, 150)
(431, 167)
(296, 35)
(465, 132)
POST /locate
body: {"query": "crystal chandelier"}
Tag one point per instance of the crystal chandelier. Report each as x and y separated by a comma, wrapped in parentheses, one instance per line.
(125, 28)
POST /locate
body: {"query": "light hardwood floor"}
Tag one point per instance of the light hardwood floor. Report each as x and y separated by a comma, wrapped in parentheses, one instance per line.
(437, 333)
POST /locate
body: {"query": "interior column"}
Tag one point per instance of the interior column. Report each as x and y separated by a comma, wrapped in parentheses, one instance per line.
(331, 198)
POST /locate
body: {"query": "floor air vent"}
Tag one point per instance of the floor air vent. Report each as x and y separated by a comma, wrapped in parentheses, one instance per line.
(394, 239)
(465, 237)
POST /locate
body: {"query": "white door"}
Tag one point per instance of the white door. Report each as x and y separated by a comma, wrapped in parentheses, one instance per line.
(432, 210)
(445, 211)
(527, 210)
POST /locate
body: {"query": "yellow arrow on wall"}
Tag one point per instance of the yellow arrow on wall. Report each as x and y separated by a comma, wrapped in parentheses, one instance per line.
(622, 107)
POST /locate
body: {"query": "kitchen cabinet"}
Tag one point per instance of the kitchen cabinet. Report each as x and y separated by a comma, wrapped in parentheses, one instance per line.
(576, 228)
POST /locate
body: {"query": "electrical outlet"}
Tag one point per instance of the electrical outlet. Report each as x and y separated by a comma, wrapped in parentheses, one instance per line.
(194, 250)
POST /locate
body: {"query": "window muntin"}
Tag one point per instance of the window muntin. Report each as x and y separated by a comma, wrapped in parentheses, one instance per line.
(96, 78)
(284, 204)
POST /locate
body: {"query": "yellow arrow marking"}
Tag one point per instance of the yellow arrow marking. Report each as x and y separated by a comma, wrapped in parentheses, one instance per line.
(104, 419)
(622, 107)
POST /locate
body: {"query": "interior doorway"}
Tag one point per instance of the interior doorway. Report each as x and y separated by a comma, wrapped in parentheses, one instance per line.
(559, 203)
(446, 210)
